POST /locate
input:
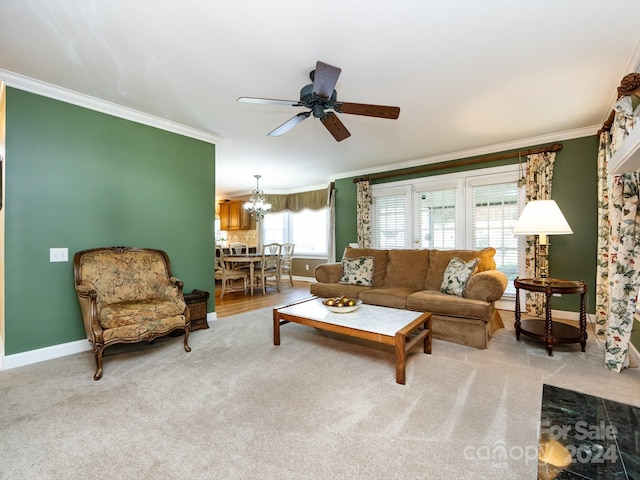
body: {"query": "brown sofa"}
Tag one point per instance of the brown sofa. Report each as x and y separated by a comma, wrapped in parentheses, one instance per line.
(412, 278)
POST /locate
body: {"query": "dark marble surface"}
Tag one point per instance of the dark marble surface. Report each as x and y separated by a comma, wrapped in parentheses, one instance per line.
(601, 436)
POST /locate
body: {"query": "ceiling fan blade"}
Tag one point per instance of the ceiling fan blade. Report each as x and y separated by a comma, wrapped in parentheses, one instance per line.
(325, 79)
(289, 124)
(270, 101)
(335, 126)
(381, 111)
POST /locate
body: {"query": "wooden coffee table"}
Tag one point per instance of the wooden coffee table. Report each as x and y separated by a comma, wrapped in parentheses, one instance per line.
(391, 326)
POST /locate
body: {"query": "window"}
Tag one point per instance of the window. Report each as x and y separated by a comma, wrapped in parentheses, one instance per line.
(307, 229)
(275, 228)
(389, 212)
(494, 213)
(466, 210)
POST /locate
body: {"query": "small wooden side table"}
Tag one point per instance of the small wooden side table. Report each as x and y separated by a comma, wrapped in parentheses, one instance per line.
(197, 304)
(545, 330)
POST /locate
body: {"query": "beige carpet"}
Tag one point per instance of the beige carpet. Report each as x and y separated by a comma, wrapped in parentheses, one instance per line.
(317, 407)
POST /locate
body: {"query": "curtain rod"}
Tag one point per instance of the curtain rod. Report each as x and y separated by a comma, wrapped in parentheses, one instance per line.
(458, 163)
(629, 85)
(606, 126)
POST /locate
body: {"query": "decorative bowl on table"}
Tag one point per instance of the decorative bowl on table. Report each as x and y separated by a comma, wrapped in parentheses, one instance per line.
(341, 304)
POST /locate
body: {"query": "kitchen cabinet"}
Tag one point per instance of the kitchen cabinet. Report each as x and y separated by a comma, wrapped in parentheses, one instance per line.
(233, 216)
(223, 212)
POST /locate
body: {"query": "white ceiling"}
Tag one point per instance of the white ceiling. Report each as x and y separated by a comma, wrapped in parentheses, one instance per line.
(470, 77)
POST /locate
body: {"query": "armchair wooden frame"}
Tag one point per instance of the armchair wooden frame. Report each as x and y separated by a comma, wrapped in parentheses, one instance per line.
(171, 313)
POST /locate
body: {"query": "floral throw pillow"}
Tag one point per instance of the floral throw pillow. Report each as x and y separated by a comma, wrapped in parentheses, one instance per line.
(457, 275)
(357, 271)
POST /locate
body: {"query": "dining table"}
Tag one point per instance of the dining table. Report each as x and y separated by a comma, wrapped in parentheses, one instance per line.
(252, 259)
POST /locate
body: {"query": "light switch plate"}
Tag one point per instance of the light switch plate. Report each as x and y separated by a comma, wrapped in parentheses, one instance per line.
(58, 255)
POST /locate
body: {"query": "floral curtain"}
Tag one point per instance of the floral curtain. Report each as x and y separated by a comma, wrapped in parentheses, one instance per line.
(538, 180)
(622, 122)
(618, 243)
(363, 218)
(331, 203)
(602, 252)
(623, 273)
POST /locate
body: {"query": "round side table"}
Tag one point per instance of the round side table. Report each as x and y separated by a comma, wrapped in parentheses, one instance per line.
(545, 330)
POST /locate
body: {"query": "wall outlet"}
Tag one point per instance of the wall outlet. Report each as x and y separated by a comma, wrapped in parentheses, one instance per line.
(306, 267)
(58, 255)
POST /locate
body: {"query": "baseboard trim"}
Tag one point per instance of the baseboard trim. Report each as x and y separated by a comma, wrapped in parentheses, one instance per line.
(64, 349)
(56, 351)
(634, 356)
(47, 353)
(302, 279)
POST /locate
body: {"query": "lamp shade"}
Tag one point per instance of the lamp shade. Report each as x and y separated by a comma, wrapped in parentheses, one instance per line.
(541, 217)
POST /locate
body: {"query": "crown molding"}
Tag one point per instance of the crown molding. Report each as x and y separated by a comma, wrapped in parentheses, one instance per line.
(475, 152)
(55, 92)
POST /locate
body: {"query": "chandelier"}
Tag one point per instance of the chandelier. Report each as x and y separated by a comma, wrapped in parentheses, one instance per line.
(257, 206)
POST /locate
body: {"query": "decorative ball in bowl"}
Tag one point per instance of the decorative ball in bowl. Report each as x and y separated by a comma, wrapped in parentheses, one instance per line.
(342, 304)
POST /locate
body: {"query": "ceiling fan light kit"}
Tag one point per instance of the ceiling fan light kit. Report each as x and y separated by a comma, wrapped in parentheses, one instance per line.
(320, 96)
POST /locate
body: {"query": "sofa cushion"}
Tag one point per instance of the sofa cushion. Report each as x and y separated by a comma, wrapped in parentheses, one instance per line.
(394, 297)
(380, 262)
(135, 331)
(139, 311)
(439, 259)
(440, 303)
(457, 275)
(407, 268)
(357, 271)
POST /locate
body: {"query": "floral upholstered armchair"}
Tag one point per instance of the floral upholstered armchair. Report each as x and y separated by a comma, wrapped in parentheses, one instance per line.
(128, 295)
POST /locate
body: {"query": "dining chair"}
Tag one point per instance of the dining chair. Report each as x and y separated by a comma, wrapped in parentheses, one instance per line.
(270, 265)
(229, 275)
(238, 248)
(286, 257)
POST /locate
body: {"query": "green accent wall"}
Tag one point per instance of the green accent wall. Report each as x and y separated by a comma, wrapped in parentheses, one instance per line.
(81, 179)
(574, 189)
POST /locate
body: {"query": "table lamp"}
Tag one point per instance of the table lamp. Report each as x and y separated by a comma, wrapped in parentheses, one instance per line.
(542, 218)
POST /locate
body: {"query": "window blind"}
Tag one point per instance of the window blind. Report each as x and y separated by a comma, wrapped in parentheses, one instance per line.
(389, 221)
(494, 214)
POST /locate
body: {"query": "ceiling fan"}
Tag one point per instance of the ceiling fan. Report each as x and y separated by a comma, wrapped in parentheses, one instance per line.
(320, 96)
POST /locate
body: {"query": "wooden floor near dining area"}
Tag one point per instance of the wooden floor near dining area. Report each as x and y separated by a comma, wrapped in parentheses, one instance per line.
(237, 302)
